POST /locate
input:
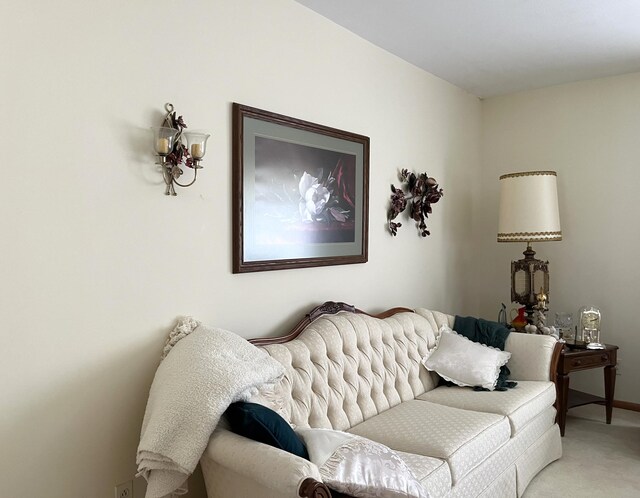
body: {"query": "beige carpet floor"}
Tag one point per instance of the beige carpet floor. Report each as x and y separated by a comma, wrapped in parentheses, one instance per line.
(598, 460)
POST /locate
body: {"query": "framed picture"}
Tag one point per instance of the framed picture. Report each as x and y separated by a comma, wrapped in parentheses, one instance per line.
(300, 193)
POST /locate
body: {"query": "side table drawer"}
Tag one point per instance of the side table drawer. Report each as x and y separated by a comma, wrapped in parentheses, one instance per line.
(589, 361)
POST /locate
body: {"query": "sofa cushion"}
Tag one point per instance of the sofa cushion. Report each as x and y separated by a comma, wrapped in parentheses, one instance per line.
(461, 437)
(262, 424)
(520, 404)
(433, 473)
(489, 470)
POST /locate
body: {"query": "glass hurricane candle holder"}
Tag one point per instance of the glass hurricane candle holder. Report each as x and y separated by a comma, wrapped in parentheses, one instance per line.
(564, 325)
(163, 140)
(196, 145)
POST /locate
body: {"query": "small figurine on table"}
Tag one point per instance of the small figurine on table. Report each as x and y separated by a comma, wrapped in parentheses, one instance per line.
(540, 316)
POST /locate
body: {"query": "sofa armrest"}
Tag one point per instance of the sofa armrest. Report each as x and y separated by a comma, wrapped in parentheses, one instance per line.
(533, 357)
(233, 465)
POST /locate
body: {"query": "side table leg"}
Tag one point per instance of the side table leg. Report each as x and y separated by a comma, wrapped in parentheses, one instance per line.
(562, 395)
(609, 387)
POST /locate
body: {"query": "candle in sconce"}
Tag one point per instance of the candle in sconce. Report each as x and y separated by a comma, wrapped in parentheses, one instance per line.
(197, 151)
(162, 146)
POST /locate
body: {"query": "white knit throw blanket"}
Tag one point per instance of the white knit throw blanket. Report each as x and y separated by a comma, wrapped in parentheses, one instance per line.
(203, 371)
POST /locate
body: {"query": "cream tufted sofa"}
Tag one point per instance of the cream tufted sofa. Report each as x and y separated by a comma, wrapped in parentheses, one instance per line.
(362, 374)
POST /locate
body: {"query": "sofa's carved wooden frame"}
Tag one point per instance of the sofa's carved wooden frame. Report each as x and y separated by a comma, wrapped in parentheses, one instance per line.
(327, 308)
(310, 488)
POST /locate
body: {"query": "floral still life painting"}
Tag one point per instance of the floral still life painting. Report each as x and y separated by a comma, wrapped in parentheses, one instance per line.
(300, 193)
(422, 192)
(303, 194)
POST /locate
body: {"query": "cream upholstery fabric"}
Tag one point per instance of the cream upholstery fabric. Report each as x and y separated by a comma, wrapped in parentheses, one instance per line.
(432, 473)
(346, 368)
(236, 466)
(521, 404)
(530, 356)
(435, 318)
(543, 451)
(503, 485)
(490, 469)
(461, 437)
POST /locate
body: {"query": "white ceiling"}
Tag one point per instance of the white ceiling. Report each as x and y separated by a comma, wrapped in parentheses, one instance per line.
(493, 47)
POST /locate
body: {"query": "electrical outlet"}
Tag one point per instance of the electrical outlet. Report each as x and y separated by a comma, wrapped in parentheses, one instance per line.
(124, 490)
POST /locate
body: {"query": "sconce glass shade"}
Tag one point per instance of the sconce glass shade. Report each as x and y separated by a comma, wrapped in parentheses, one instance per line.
(163, 139)
(196, 144)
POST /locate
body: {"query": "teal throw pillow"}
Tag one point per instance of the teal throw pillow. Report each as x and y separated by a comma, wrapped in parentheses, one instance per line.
(262, 424)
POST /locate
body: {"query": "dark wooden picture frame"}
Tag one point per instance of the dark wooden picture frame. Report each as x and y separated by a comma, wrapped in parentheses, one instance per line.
(300, 193)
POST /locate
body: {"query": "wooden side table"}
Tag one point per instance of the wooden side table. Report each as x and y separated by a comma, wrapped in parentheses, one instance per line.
(573, 360)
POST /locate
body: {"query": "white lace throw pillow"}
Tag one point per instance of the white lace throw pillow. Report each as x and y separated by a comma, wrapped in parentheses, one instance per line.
(360, 467)
(464, 362)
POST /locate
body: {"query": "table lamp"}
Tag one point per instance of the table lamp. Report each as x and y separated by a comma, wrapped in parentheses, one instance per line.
(528, 213)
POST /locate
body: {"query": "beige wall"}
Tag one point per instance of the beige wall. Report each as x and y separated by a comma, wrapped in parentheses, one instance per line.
(589, 133)
(97, 262)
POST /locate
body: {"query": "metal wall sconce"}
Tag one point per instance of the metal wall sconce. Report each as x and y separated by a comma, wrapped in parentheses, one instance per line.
(172, 152)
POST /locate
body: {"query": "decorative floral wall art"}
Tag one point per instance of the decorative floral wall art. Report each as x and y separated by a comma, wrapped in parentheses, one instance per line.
(300, 193)
(421, 192)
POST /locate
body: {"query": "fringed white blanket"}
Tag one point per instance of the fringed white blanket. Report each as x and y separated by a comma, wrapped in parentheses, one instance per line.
(204, 370)
(360, 467)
